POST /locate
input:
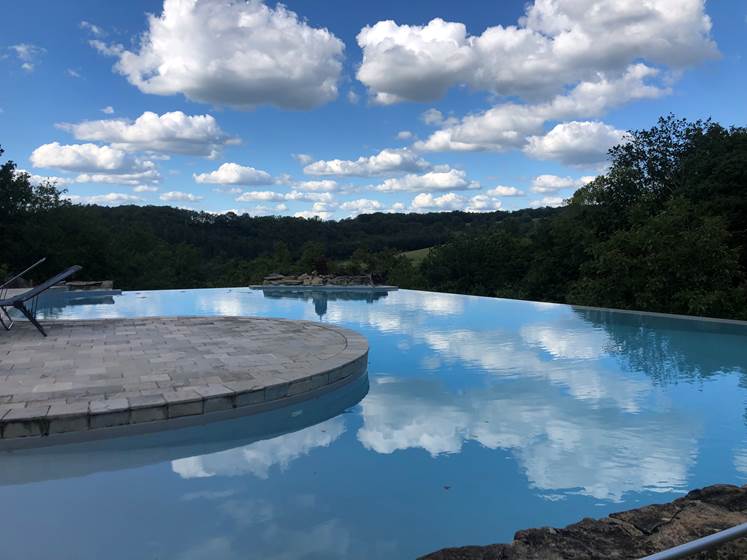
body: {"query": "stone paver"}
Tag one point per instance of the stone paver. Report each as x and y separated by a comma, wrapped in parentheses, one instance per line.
(98, 374)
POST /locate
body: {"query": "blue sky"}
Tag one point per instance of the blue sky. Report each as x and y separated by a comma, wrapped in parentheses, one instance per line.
(333, 109)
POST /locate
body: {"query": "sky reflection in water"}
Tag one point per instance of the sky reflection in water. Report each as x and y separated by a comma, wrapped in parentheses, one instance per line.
(483, 417)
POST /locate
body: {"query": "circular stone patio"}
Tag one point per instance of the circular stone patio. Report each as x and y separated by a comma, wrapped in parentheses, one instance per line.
(93, 375)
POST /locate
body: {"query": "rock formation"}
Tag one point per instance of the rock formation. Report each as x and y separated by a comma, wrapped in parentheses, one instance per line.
(628, 534)
(315, 279)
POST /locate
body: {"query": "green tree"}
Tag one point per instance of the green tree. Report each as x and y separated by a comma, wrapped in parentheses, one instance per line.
(677, 261)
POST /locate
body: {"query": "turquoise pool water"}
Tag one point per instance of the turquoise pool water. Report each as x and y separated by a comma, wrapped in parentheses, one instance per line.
(479, 417)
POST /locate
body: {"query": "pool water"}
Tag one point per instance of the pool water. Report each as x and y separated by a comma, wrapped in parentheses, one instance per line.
(479, 417)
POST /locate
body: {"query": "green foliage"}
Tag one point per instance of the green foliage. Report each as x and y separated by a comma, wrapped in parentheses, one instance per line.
(663, 230)
(677, 261)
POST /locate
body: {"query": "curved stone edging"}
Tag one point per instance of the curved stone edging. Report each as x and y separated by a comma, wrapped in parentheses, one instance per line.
(151, 377)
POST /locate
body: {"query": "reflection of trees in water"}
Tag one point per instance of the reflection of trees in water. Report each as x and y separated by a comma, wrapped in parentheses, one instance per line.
(669, 349)
(321, 297)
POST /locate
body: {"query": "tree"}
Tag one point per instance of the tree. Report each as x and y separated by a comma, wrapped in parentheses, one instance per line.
(678, 262)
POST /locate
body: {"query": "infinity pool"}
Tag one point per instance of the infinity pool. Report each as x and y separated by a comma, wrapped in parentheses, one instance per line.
(479, 417)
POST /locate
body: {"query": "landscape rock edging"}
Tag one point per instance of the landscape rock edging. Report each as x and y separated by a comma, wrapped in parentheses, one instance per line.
(628, 534)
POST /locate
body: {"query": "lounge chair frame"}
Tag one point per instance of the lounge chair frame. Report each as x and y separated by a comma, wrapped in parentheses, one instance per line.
(31, 296)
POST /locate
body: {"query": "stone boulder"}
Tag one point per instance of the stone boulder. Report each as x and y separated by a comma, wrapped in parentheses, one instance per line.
(629, 534)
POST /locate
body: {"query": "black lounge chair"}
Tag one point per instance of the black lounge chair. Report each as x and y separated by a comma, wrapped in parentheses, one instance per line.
(19, 301)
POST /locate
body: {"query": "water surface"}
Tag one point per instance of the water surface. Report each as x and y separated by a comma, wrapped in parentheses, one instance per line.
(479, 417)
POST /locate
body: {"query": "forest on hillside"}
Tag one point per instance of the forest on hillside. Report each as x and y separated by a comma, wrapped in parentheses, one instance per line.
(664, 228)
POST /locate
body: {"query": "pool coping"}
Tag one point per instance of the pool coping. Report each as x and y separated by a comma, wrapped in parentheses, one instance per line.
(78, 421)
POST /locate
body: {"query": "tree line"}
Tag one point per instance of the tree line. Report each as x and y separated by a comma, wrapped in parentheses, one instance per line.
(663, 229)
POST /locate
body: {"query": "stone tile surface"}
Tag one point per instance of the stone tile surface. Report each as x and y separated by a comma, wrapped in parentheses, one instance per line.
(94, 374)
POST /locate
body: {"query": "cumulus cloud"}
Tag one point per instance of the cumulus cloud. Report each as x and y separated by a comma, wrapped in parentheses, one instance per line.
(150, 176)
(451, 179)
(551, 183)
(509, 125)
(575, 143)
(27, 54)
(404, 135)
(144, 188)
(170, 133)
(386, 162)
(266, 196)
(311, 214)
(551, 201)
(324, 185)
(274, 196)
(426, 202)
(483, 203)
(87, 158)
(502, 190)
(235, 174)
(35, 179)
(361, 206)
(240, 54)
(435, 117)
(112, 199)
(556, 42)
(178, 196)
(108, 110)
(309, 196)
(303, 159)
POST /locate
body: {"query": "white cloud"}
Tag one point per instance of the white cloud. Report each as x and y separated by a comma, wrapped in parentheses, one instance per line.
(37, 179)
(483, 203)
(426, 202)
(445, 202)
(501, 190)
(309, 214)
(235, 174)
(551, 201)
(87, 158)
(452, 179)
(309, 196)
(260, 457)
(94, 29)
(227, 190)
(265, 196)
(112, 199)
(575, 143)
(113, 49)
(151, 176)
(509, 125)
(325, 185)
(109, 110)
(353, 97)
(240, 54)
(552, 183)
(386, 162)
(72, 73)
(297, 196)
(144, 188)
(361, 206)
(556, 43)
(173, 132)
(179, 196)
(27, 54)
(303, 159)
(404, 135)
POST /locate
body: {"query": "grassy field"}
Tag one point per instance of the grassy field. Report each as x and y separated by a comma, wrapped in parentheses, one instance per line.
(417, 256)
